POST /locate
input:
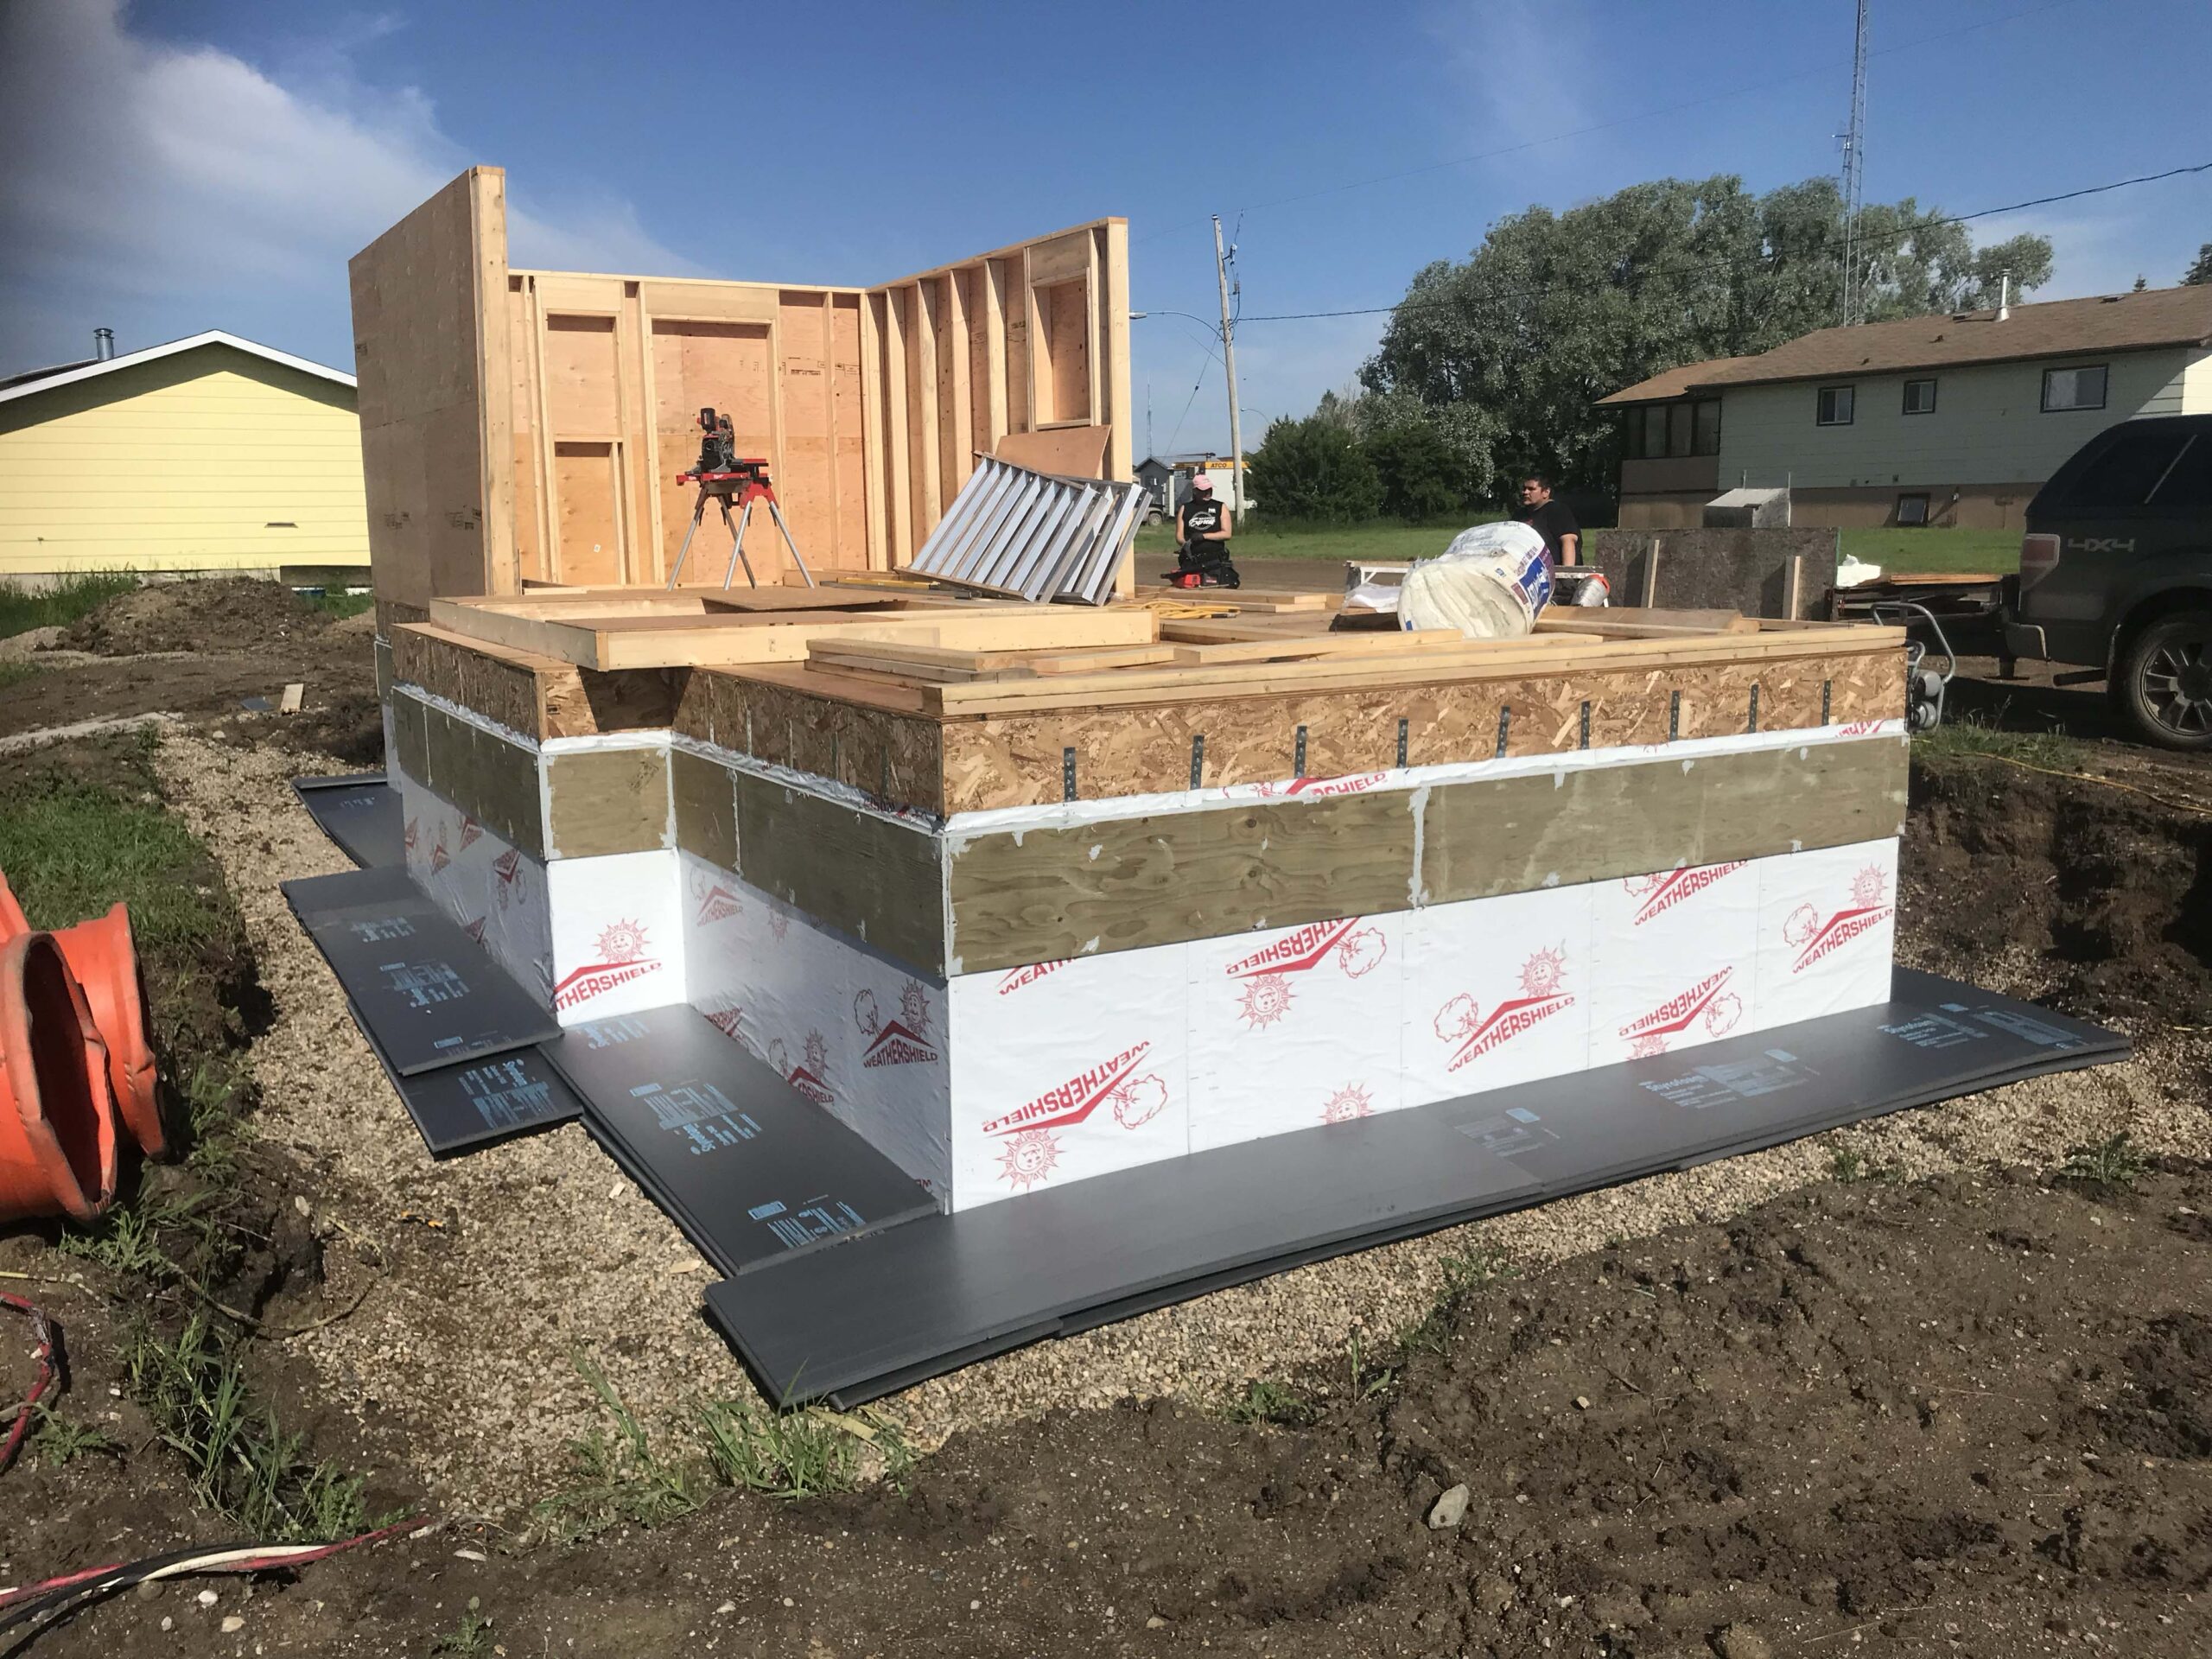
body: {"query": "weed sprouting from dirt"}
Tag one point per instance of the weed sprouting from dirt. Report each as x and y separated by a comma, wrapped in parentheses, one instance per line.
(61, 604)
(55, 1442)
(336, 601)
(471, 1635)
(616, 1478)
(1265, 1400)
(2116, 1163)
(1463, 1276)
(211, 1095)
(785, 1454)
(1367, 1380)
(242, 1464)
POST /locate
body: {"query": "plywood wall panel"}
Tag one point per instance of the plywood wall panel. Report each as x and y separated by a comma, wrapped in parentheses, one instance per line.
(872, 411)
(587, 487)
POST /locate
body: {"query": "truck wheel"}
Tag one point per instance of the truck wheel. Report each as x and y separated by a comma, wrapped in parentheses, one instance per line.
(2164, 683)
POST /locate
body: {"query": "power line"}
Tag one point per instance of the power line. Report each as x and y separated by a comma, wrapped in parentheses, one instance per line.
(1764, 85)
(1801, 252)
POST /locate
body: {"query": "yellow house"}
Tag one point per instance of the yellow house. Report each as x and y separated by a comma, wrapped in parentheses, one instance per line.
(210, 453)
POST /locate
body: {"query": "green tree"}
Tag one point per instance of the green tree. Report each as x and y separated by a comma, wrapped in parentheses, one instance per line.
(1556, 310)
(1419, 478)
(1315, 470)
(2200, 269)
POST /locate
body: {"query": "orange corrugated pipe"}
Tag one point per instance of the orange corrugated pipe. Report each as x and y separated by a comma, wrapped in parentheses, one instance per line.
(105, 958)
(57, 1119)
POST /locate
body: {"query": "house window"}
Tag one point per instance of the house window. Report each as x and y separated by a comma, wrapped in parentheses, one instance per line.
(1920, 397)
(1708, 427)
(2082, 388)
(1835, 407)
(1654, 431)
(1678, 430)
(1912, 508)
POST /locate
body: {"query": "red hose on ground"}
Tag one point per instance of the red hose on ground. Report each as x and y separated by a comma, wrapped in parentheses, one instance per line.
(43, 1329)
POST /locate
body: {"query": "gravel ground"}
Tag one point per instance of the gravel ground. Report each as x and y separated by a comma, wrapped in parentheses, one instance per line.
(545, 1249)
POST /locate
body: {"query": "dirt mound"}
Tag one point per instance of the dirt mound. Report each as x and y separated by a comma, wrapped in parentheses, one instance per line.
(2100, 896)
(217, 616)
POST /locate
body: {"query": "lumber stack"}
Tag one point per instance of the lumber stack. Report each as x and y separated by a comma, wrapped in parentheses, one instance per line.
(1024, 894)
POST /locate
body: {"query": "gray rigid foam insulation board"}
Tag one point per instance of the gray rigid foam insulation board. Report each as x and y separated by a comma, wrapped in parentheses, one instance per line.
(428, 994)
(752, 1170)
(881, 1313)
(460, 1108)
(361, 813)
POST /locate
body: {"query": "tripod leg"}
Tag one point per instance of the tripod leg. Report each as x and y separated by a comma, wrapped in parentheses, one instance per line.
(697, 514)
(791, 544)
(737, 547)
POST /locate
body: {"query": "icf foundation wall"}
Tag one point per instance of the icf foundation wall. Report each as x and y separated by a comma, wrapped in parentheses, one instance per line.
(1003, 1001)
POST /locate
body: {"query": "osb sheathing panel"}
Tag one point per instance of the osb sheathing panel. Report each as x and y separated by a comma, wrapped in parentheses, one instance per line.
(502, 691)
(886, 755)
(880, 881)
(1018, 759)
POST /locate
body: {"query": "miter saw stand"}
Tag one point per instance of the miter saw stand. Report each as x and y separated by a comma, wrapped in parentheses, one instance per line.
(724, 477)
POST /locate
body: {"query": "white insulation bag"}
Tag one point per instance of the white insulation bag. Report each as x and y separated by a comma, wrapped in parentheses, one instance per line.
(1489, 584)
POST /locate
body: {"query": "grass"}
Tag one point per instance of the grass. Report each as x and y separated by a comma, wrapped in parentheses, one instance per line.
(1267, 1402)
(242, 1464)
(72, 846)
(616, 1478)
(56, 1442)
(61, 604)
(16, 673)
(1907, 551)
(785, 1454)
(2116, 1163)
(336, 601)
(619, 1477)
(1966, 739)
(1996, 552)
(471, 1635)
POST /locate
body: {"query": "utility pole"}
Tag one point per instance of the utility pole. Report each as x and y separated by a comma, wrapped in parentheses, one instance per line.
(1855, 179)
(1229, 363)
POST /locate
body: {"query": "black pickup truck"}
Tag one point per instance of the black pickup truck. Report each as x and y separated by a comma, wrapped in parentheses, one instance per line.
(2116, 574)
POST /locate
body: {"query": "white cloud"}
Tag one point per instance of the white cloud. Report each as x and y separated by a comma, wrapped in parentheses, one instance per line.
(1522, 69)
(166, 190)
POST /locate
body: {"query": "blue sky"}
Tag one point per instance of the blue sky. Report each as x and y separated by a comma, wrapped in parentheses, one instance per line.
(183, 164)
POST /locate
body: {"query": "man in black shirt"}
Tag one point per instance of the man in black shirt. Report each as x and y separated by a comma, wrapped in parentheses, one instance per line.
(1553, 520)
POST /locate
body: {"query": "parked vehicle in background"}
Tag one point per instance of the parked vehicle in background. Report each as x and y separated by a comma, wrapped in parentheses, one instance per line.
(2116, 574)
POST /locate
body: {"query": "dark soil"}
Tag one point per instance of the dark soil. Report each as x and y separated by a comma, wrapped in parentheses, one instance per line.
(204, 649)
(217, 616)
(1967, 1416)
(2102, 891)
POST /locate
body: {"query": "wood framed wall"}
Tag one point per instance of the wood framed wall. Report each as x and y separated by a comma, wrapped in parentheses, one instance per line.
(522, 425)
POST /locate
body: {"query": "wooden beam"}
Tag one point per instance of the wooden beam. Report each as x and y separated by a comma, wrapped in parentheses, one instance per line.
(874, 481)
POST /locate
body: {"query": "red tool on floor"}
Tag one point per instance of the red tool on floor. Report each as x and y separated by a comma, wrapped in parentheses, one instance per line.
(727, 478)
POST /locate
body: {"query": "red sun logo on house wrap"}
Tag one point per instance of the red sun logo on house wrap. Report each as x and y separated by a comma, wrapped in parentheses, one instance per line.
(407, 837)
(1816, 936)
(471, 833)
(1028, 1156)
(1462, 1021)
(901, 1040)
(1658, 893)
(716, 902)
(475, 929)
(1350, 1102)
(622, 947)
(439, 857)
(509, 890)
(1353, 945)
(1709, 1003)
(810, 1076)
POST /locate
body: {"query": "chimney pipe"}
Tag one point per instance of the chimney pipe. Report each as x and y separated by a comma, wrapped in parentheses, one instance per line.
(102, 344)
(2003, 296)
